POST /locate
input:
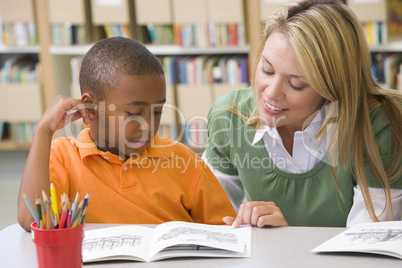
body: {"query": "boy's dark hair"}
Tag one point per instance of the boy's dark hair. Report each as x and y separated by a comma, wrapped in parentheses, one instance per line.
(112, 57)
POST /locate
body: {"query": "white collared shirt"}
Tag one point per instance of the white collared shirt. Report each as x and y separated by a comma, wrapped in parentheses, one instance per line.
(305, 155)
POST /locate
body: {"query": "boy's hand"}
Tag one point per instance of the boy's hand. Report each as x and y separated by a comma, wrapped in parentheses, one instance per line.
(63, 111)
(259, 214)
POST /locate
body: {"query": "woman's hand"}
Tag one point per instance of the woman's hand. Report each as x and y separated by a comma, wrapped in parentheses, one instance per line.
(257, 213)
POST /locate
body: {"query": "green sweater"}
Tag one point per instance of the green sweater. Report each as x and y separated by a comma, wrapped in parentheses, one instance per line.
(305, 199)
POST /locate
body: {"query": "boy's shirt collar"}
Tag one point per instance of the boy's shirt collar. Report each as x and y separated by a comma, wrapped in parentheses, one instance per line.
(157, 148)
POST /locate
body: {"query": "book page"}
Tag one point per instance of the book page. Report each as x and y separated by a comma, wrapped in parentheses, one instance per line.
(117, 243)
(379, 237)
(198, 240)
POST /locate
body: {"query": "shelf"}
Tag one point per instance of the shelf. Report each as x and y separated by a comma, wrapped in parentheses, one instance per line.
(393, 46)
(12, 146)
(177, 50)
(27, 49)
(157, 50)
(69, 50)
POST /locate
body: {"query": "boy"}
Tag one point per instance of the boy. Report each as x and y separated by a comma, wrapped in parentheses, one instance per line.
(132, 174)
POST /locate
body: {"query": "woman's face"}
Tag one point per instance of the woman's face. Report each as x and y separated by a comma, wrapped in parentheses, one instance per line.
(284, 96)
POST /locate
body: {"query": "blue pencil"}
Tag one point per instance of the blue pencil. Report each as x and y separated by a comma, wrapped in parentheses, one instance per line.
(84, 208)
(31, 208)
(74, 206)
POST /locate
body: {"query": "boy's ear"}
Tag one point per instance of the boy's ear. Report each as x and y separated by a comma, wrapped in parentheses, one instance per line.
(91, 102)
(88, 98)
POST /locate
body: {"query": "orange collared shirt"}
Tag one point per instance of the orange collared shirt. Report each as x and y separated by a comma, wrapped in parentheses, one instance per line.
(167, 182)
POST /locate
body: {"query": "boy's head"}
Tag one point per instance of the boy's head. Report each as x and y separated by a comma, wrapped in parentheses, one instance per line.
(109, 58)
(125, 83)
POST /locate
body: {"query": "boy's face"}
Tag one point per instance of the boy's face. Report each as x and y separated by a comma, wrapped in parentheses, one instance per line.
(129, 116)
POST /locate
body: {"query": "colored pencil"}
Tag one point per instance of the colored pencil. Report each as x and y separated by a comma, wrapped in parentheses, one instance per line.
(77, 215)
(38, 203)
(44, 195)
(48, 216)
(69, 219)
(75, 206)
(31, 208)
(64, 214)
(84, 209)
(55, 206)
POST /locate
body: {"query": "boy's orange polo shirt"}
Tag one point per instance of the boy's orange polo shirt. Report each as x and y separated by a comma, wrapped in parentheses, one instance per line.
(168, 182)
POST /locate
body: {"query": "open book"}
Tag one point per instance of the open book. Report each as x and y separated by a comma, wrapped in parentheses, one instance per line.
(167, 240)
(377, 238)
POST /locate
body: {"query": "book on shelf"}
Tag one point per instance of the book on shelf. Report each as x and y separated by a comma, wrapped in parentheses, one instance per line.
(68, 34)
(19, 34)
(112, 30)
(195, 134)
(20, 69)
(160, 34)
(167, 240)
(168, 131)
(386, 69)
(1, 130)
(384, 238)
(75, 65)
(395, 18)
(376, 32)
(18, 133)
(209, 34)
(206, 69)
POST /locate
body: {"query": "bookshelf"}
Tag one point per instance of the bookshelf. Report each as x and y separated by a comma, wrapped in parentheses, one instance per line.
(70, 26)
(136, 16)
(20, 86)
(381, 21)
(142, 14)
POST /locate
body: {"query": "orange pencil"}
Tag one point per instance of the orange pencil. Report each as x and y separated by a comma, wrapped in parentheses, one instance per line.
(48, 215)
(44, 218)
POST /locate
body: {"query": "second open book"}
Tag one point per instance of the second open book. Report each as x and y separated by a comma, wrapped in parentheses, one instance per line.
(375, 238)
(167, 240)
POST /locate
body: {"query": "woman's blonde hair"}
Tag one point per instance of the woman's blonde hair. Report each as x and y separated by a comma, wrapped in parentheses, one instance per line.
(333, 53)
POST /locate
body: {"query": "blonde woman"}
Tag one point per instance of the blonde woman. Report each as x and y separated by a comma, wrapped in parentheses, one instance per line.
(315, 141)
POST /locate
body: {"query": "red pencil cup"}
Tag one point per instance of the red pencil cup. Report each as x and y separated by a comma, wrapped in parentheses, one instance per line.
(58, 247)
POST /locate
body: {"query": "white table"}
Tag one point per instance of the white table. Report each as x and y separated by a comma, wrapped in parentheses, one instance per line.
(271, 247)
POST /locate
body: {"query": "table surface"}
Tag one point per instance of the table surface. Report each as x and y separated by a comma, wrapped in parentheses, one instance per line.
(271, 247)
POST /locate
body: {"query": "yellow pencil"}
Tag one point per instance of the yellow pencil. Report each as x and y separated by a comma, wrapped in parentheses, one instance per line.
(55, 206)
